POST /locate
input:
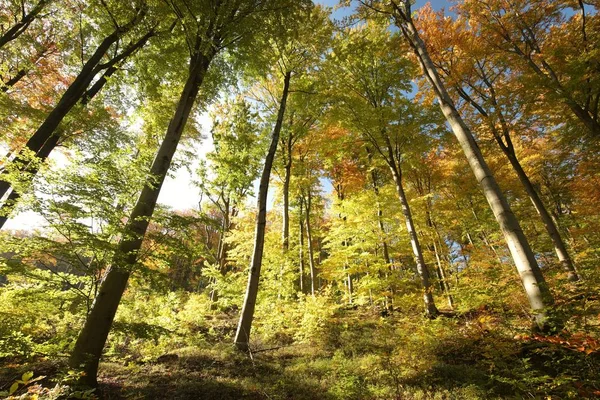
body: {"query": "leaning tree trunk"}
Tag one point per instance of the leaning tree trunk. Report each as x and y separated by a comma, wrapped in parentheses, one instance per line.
(430, 308)
(92, 338)
(242, 336)
(77, 90)
(505, 143)
(17, 29)
(31, 170)
(538, 293)
(538, 204)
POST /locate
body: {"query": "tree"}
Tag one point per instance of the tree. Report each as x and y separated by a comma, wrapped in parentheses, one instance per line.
(215, 30)
(234, 164)
(375, 106)
(42, 142)
(295, 55)
(21, 24)
(535, 286)
(528, 33)
(486, 87)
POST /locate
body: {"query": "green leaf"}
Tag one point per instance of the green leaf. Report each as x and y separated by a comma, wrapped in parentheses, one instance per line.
(13, 388)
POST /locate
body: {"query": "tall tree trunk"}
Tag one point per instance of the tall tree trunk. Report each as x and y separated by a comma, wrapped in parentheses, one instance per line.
(386, 254)
(538, 204)
(443, 281)
(92, 338)
(242, 336)
(286, 194)
(311, 257)
(221, 249)
(538, 293)
(430, 308)
(301, 247)
(78, 88)
(17, 29)
(350, 286)
(503, 139)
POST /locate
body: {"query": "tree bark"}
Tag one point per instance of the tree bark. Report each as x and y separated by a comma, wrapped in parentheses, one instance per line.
(430, 308)
(538, 293)
(503, 139)
(17, 29)
(301, 246)
(286, 194)
(445, 285)
(538, 204)
(311, 257)
(92, 338)
(242, 336)
(77, 89)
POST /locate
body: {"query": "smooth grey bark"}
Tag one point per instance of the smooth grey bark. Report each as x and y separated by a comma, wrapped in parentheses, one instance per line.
(430, 308)
(557, 241)
(538, 293)
(242, 336)
(301, 246)
(311, 257)
(92, 337)
(21, 26)
(504, 141)
(78, 88)
(286, 192)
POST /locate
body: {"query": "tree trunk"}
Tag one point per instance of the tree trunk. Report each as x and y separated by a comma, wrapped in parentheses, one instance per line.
(443, 281)
(286, 195)
(538, 204)
(5, 86)
(311, 257)
(301, 247)
(430, 308)
(92, 338)
(242, 336)
(385, 250)
(221, 250)
(31, 170)
(17, 29)
(77, 89)
(535, 286)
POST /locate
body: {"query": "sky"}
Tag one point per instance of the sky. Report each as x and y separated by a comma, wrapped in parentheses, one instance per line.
(178, 191)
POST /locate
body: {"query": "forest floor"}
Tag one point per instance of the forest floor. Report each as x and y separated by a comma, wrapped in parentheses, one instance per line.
(361, 355)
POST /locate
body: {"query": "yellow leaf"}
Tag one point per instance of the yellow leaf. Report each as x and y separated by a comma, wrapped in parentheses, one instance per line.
(27, 376)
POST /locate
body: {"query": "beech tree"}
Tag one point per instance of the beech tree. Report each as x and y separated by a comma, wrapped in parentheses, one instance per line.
(533, 281)
(376, 107)
(487, 86)
(46, 137)
(528, 31)
(295, 55)
(213, 31)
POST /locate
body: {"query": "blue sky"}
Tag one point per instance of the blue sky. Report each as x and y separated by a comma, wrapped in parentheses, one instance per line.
(436, 4)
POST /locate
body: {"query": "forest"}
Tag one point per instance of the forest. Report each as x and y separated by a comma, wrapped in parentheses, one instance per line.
(298, 199)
